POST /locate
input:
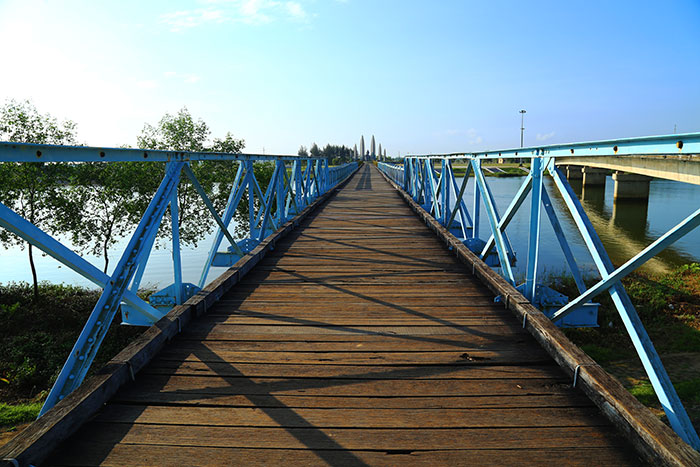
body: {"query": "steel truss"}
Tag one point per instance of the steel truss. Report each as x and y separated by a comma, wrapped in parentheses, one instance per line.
(441, 194)
(296, 182)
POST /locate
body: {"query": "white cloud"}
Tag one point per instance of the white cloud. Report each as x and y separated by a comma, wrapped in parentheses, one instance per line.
(544, 137)
(186, 19)
(231, 11)
(191, 79)
(296, 11)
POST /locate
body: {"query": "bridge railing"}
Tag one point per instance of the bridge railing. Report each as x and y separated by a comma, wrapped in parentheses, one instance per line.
(295, 183)
(430, 180)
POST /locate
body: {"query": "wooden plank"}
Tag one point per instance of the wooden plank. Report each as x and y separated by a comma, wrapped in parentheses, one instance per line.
(214, 386)
(176, 456)
(336, 438)
(354, 418)
(652, 438)
(162, 366)
(33, 444)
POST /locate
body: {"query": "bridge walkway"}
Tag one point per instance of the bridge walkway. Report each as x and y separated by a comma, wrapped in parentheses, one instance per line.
(359, 340)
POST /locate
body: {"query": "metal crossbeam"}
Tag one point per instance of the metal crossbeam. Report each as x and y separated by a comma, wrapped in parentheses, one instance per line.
(95, 329)
(413, 177)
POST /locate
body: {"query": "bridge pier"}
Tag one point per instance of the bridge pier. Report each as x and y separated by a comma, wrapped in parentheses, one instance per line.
(574, 172)
(594, 176)
(631, 186)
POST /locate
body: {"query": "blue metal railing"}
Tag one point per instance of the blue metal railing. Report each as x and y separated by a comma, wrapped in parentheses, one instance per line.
(295, 183)
(440, 193)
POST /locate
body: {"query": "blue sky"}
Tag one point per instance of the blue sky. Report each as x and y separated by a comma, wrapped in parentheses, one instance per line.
(422, 76)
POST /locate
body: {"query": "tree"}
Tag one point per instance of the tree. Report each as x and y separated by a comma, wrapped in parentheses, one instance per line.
(303, 152)
(182, 133)
(32, 189)
(104, 203)
(315, 151)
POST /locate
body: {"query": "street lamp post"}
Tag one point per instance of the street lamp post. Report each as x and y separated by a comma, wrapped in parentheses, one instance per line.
(522, 126)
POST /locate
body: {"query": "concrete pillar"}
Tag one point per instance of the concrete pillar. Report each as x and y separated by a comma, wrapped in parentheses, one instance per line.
(573, 172)
(593, 176)
(631, 186)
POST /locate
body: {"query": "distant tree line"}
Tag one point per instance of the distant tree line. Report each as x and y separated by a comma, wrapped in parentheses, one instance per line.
(336, 155)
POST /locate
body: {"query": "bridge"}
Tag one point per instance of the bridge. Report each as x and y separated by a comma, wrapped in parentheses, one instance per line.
(363, 321)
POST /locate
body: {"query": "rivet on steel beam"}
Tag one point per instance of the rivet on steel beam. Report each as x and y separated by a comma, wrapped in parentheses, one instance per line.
(38, 154)
(572, 151)
(615, 149)
(145, 155)
(102, 153)
(679, 145)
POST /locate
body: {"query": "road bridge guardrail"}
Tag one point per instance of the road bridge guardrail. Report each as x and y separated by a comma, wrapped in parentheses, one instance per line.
(439, 192)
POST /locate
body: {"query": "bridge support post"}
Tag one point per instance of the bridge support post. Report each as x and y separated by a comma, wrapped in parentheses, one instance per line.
(574, 172)
(631, 186)
(593, 176)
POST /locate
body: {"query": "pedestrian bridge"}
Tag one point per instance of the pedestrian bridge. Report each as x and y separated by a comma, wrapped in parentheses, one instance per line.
(365, 328)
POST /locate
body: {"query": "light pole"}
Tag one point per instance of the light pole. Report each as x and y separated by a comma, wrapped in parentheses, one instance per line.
(522, 126)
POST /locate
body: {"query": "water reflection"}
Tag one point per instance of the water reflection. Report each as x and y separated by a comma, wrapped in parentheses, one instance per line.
(625, 228)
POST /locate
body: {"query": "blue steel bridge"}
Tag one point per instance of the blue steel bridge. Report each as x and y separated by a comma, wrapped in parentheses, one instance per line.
(364, 320)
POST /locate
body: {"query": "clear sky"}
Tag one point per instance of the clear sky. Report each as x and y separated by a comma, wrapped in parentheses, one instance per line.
(422, 76)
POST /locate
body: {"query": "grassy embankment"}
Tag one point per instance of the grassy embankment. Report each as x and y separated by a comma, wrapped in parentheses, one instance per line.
(669, 307)
(35, 337)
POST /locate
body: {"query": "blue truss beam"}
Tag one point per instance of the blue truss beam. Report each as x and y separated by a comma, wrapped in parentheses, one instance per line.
(670, 237)
(24, 229)
(677, 416)
(97, 325)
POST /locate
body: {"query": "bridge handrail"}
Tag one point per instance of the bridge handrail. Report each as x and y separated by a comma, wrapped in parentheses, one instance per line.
(26, 152)
(440, 194)
(295, 184)
(677, 144)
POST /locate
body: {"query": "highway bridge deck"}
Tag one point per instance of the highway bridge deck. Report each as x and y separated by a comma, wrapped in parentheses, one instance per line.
(359, 340)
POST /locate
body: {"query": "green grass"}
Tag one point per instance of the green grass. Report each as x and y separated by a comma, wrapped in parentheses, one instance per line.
(15, 414)
(36, 335)
(688, 391)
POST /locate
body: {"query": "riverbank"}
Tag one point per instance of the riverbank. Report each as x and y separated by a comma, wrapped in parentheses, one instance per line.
(36, 335)
(669, 307)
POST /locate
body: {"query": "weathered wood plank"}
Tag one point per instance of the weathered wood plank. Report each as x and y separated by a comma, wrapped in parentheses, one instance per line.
(176, 456)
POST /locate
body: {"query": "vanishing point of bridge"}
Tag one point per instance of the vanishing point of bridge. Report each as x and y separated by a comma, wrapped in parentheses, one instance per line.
(359, 332)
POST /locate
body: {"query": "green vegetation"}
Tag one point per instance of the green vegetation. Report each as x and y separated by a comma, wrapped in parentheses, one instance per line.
(36, 335)
(669, 307)
(11, 415)
(336, 155)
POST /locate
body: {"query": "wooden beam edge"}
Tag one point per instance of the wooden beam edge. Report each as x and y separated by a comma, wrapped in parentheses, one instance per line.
(653, 439)
(37, 441)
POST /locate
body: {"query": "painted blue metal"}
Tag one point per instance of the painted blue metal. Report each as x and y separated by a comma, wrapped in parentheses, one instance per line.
(501, 246)
(563, 243)
(24, 229)
(673, 235)
(534, 240)
(580, 311)
(677, 416)
(310, 178)
(90, 338)
(126, 278)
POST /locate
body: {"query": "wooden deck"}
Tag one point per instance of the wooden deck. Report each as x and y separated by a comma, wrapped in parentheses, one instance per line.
(359, 340)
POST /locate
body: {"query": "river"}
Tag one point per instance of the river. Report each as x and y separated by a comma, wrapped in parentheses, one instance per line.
(625, 230)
